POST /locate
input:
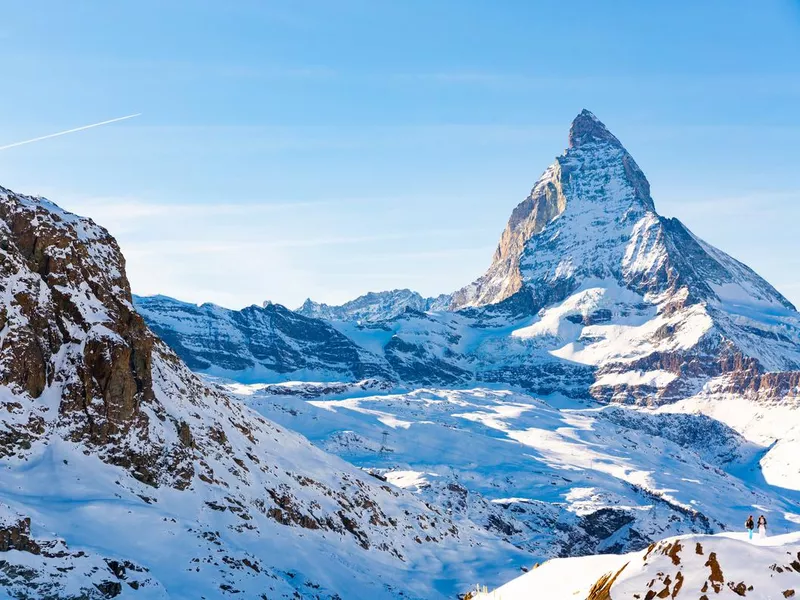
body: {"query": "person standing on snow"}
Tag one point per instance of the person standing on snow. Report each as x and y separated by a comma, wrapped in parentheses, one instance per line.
(750, 525)
(762, 527)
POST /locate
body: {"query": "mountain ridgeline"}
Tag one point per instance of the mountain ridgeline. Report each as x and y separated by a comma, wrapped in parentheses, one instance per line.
(374, 306)
(591, 293)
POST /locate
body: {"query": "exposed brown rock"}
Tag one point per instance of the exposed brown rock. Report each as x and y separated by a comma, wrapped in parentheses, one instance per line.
(185, 436)
(17, 536)
(601, 590)
(673, 551)
(678, 584)
(740, 589)
(66, 279)
(530, 217)
(715, 577)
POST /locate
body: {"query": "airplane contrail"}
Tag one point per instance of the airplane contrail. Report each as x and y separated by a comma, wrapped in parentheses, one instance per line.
(52, 135)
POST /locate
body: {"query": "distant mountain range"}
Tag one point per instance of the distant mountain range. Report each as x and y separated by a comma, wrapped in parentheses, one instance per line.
(375, 306)
(590, 293)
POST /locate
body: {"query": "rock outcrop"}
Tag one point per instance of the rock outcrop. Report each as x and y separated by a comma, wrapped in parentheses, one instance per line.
(76, 356)
(684, 568)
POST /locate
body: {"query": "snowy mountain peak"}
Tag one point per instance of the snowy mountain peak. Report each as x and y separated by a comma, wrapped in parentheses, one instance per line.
(588, 239)
(579, 215)
(374, 306)
(587, 128)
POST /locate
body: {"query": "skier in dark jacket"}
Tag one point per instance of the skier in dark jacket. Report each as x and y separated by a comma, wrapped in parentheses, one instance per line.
(750, 525)
(762, 527)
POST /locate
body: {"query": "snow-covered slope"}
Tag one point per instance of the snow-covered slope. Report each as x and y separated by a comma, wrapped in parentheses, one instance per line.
(684, 568)
(374, 306)
(775, 425)
(554, 477)
(122, 474)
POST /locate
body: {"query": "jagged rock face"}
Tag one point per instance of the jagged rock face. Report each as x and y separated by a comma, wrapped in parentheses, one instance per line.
(374, 307)
(503, 279)
(74, 352)
(257, 340)
(116, 438)
(595, 186)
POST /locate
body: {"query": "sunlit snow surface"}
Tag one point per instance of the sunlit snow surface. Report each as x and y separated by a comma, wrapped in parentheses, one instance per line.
(192, 549)
(764, 566)
(547, 474)
(775, 425)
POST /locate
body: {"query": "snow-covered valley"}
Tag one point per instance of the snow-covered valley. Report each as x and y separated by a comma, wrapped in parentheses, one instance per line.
(554, 476)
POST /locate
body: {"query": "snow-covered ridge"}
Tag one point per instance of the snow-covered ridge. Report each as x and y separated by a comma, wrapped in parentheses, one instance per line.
(374, 306)
(258, 343)
(684, 568)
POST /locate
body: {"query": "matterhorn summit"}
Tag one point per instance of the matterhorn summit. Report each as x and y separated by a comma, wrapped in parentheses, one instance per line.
(591, 215)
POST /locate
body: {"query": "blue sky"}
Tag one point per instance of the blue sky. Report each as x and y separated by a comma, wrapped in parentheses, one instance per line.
(325, 149)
